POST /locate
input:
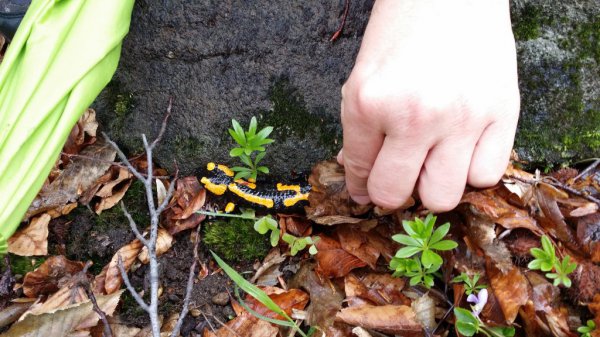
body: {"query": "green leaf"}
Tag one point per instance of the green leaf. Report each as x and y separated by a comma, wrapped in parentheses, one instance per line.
(263, 169)
(429, 258)
(239, 131)
(439, 233)
(236, 152)
(444, 245)
(261, 226)
(407, 252)
(502, 331)
(253, 126)
(249, 288)
(547, 246)
(415, 280)
(408, 228)
(242, 175)
(313, 250)
(464, 315)
(274, 237)
(287, 238)
(246, 159)
(238, 139)
(466, 329)
(264, 133)
(248, 152)
(407, 240)
(240, 169)
(259, 157)
(534, 265)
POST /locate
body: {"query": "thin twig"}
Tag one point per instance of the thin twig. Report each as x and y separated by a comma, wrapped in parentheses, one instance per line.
(189, 288)
(556, 183)
(587, 170)
(163, 127)
(83, 282)
(129, 287)
(338, 32)
(133, 225)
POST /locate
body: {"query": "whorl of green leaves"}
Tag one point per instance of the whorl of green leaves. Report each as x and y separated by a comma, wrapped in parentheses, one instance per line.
(250, 149)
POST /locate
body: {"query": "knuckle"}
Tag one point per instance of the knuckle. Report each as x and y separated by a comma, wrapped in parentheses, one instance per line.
(440, 202)
(386, 199)
(484, 178)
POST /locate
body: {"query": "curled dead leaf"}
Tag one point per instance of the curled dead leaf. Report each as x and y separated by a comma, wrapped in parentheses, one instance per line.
(31, 240)
(188, 198)
(333, 260)
(50, 276)
(510, 289)
(392, 319)
(128, 253)
(329, 195)
(287, 300)
(164, 241)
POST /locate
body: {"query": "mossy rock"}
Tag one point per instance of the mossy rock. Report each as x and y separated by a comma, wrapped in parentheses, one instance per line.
(235, 240)
(558, 47)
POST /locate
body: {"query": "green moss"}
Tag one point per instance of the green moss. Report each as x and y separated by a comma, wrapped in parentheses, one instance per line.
(122, 103)
(290, 118)
(236, 240)
(527, 23)
(187, 147)
(21, 265)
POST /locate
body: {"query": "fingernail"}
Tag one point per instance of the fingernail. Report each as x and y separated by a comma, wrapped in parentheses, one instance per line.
(361, 199)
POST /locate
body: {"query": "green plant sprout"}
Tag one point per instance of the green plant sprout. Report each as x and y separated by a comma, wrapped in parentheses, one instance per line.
(546, 260)
(299, 243)
(586, 330)
(468, 324)
(266, 224)
(251, 149)
(470, 284)
(260, 296)
(418, 260)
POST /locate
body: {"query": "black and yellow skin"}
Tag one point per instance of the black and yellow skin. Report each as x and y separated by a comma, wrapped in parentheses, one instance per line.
(281, 198)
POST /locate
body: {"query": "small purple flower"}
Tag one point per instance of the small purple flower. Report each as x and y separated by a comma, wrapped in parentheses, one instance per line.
(478, 301)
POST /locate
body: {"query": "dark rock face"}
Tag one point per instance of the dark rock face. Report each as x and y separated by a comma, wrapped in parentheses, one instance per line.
(558, 45)
(234, 59)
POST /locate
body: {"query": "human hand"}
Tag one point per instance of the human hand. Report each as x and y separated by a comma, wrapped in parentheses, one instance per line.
(432, 101)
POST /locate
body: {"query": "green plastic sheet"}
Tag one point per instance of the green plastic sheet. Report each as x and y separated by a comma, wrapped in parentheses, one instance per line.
(63, 54)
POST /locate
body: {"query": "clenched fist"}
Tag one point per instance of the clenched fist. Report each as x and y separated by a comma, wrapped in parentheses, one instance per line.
(432, 101)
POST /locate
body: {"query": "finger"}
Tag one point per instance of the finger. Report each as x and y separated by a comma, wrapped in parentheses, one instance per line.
(396, 170)
(492, 153)
(362, 142)
(444, 174)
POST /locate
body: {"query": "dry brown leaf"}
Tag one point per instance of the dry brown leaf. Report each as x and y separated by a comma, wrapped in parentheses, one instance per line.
(545, 300)
(333, 260)
(64, 321)
(331, 220)
(488, 202)
(31, 240)
(546, 196)
(82, 134)
(285, 299)
(329, 195)
(392, 319)
(113, 191)
(118, 328)
(47, 278)
(510, 290)
(188, 198)
(65, 296)
(481, 232)
(325, 297)
(245, 325)
(78, 176)
(376, 288)
(164, 241)
(128, 253)
(366, 245)
(295, 225)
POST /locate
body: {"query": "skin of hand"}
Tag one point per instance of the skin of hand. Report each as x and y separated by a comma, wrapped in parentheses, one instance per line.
(432, 102)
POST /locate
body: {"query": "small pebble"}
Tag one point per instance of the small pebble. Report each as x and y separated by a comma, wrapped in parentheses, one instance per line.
(221, 299)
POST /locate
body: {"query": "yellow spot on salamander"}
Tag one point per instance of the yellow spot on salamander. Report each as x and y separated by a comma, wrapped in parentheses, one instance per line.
(229, 207)
(291, 201)
(226, 170)
(217, 189)
(210, 166)
(282, 187)
(268, 203)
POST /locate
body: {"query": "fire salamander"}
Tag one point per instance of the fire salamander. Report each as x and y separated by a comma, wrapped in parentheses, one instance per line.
(279, 198)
